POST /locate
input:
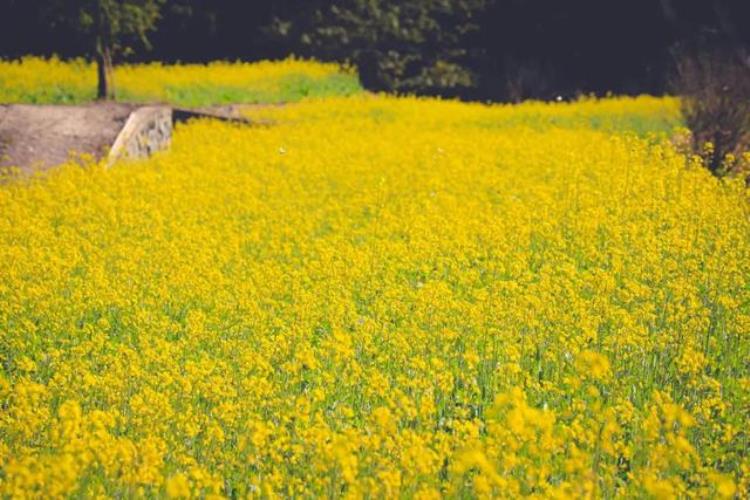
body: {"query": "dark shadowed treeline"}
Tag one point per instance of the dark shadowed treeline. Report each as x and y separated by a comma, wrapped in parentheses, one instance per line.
(477, 49)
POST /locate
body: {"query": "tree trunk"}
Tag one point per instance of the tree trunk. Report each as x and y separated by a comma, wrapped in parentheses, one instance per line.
(106, 86)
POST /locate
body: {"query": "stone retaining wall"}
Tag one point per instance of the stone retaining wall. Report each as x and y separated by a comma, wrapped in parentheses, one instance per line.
(148, 129)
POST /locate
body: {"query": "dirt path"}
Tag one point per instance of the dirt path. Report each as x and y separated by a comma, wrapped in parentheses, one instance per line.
(37, 137)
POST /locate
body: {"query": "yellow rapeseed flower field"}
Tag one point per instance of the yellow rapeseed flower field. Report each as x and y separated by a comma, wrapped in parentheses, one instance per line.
(38, 80)
(381, 297)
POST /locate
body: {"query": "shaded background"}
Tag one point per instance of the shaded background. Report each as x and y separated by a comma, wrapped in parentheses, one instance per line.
(504, 50)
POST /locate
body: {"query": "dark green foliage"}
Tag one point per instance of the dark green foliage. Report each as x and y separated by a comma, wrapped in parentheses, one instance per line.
(505, 50)
(122, 24)
(402, 46)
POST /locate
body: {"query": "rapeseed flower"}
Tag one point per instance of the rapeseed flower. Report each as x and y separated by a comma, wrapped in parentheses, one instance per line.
(418, 298)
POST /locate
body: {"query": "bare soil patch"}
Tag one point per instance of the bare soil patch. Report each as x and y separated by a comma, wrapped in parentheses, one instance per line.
(37, 137)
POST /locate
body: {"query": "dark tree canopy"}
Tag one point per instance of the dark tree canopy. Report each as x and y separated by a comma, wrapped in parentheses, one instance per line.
(397, 45)
(477, 49)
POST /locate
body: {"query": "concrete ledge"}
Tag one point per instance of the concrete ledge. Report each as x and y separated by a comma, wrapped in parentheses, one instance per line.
(225, 113)
(229, 113)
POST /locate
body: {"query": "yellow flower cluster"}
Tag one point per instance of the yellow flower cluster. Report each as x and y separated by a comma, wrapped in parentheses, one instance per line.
(38, 80)
(381, 297)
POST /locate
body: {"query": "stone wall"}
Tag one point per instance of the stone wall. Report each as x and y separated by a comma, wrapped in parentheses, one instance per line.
(148, 129)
